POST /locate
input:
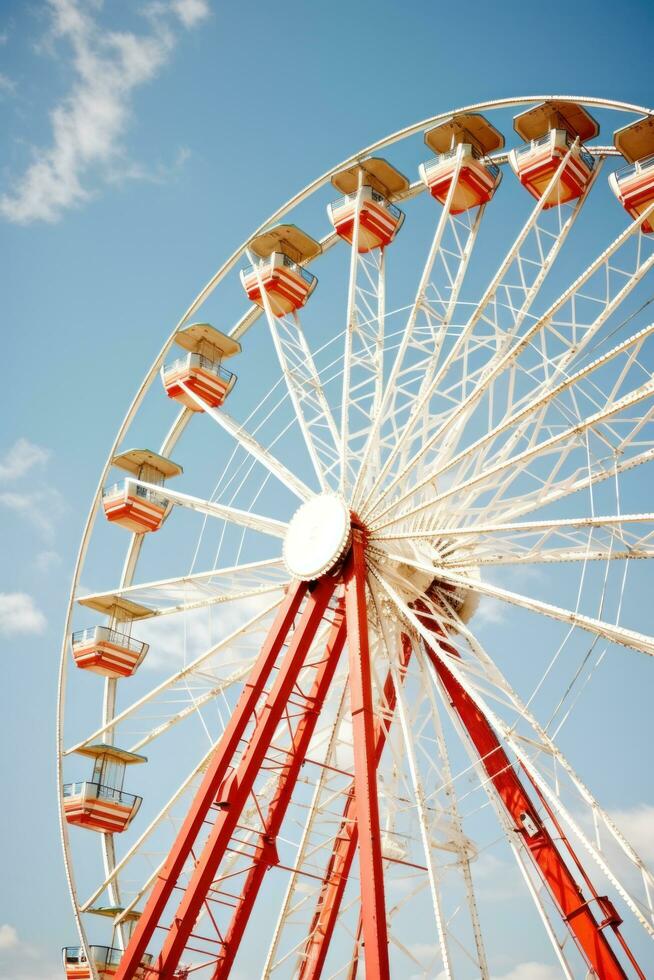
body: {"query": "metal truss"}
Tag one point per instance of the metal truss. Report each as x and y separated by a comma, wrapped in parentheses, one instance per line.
(333, 760)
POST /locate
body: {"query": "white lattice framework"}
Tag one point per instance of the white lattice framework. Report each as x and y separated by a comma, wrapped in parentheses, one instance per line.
(491, 426)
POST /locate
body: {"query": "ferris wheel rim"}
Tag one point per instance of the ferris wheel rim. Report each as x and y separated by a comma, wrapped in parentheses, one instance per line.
(185, 415)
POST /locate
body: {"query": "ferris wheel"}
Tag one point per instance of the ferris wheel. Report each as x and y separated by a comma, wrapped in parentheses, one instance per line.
(368, 700)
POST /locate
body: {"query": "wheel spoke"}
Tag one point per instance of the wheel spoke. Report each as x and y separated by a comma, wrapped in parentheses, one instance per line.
(488, 314)
(363, 361)
(568, 439)
(508, 529)
(452, 423)
(254, 448)
(421, 809)
(197, 590)
(423, 337)
(313, 414)
(562, 319)
(517, 747)
(200, 663)
(615, 634)
(504, 428)
(243, 518)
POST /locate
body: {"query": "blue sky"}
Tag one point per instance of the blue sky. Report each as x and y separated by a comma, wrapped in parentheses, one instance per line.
(142, 143)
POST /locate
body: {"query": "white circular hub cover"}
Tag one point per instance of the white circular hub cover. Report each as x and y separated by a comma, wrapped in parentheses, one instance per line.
(318, 537)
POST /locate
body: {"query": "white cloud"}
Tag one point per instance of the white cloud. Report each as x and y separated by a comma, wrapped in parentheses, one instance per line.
(178, 639)
(40, 507)
(491, 611)
(191, 12)
(45, 560)
(531, 971)
(21, 960)
(20, 614)
(425, 951)
(8, 936)
(175, 640)
(160, 174)
(21, 458)
(637, 824)
(7, 85)
(89, 124)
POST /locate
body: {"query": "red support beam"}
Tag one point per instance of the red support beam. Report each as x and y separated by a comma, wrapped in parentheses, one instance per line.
(568, 896)
(236, 789)
(345, 846)
(181, 850)
(366, 804)
(296, 755)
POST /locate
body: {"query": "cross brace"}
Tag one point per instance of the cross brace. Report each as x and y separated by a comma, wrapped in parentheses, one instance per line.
(575, 909)
(167, 878)
(295, 758)
(230, 779)
(345, 846)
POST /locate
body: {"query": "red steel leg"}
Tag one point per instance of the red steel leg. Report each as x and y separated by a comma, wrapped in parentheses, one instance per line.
(366, 804)
(277, 810)
(344, 850)
(574, 907)
(215, 775)
(233, 794)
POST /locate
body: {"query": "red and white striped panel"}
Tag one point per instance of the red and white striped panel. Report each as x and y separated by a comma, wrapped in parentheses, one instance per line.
(80, 971)
(377, 226)
(286, 290)
(203, 383)
(108, 659)
(97, 814)
(636, 193)
(475, 186)
(134, 513)
(537, 169)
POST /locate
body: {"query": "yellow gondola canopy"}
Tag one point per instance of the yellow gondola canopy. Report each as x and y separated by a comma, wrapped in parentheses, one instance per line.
(635, 141)
(97, 749)
(196, 335)
(377, 173)
(289, 239)
(134, 459)
(464, 127)
(123, 610)
(112, 911)
(553, 114)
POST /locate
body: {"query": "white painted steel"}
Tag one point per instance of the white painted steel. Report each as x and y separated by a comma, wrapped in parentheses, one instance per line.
(409, 401)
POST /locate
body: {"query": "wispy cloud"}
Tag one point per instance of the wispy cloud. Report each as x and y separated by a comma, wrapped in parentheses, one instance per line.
(637, 824)
(191, 12)
(491, 611)
(178, 639)
(41, 508)
(531, 971)
(7, 85)
(19, 614)
(20, 960)
(46, 560)
(523, 971)
(89, 124)
(21, 458)
(8, 936)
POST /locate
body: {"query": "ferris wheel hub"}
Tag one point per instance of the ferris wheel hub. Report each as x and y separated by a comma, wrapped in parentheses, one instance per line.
(318, 537)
